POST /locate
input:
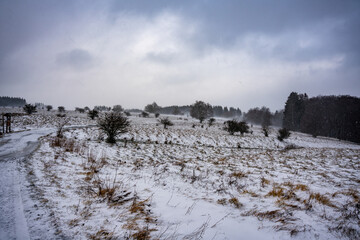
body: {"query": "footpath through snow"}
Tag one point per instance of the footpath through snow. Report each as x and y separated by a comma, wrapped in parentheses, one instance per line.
(14, 149)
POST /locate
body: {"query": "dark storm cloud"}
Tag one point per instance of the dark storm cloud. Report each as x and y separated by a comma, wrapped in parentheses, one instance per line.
(224, 22)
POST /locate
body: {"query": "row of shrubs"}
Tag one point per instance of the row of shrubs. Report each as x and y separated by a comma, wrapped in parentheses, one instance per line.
(115, 123)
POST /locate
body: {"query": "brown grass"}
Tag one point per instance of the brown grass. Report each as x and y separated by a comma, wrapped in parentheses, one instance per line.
(301, 187)
(238, 174)
(143, 234)
(264, 182)
(222, 201)
(102, 234)
(277, 191)
(321, 199)
(269, 215)
(234, 201)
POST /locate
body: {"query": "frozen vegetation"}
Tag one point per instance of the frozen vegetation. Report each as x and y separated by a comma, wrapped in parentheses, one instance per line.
(187, 182)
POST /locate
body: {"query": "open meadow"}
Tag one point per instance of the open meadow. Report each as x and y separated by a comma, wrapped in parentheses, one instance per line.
(189, 181)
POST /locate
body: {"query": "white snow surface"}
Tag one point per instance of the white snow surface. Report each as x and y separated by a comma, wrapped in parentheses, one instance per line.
(183, 182)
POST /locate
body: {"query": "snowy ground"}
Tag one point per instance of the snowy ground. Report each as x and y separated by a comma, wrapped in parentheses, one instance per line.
(189, 183)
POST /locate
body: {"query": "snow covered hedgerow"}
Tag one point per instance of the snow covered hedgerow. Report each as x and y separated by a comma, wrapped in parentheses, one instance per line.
(113, 124)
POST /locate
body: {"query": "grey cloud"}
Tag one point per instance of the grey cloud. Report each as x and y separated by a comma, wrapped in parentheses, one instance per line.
(24, 21)
(159, 57)
(77, 59)
(224, 22)
(221, 25)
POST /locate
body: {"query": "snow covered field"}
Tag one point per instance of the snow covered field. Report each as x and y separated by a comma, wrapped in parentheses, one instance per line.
(189, 182)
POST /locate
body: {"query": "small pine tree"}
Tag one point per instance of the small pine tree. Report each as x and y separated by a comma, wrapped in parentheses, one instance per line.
(265, 131)
(113, 124)
(93, 114)
(211, 121)
(61, 109)
(49, 107)
(283, 134)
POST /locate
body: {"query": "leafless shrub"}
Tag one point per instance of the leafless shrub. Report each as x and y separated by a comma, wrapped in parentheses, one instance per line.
(166, 122)
(60, 124)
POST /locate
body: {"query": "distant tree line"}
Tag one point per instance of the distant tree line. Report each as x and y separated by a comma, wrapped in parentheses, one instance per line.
(217, 111)
(102, 108)
(12, 101)
(330, 116)
(263, 116)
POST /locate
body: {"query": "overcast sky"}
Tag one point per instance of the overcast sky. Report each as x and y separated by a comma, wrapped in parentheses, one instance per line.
(231, 53)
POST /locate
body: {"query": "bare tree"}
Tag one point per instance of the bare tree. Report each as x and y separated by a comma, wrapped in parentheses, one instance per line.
(113, 124)
(80, 110)
(29, 108)
(118, 108)
(61, 109)
(166, 122)
(144, 114)
(201, 110)
(49, 107)
(152, 108)
(61, 122)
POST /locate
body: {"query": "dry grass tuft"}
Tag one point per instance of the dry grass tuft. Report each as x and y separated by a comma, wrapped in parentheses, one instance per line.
(301, 187)
(277, 191)
(222, 201)
(238, 174)
(143, 234)
(322, 199)
(102, 234)
(269, 215)
(234, 201)
(138, 206)
(264, 182)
